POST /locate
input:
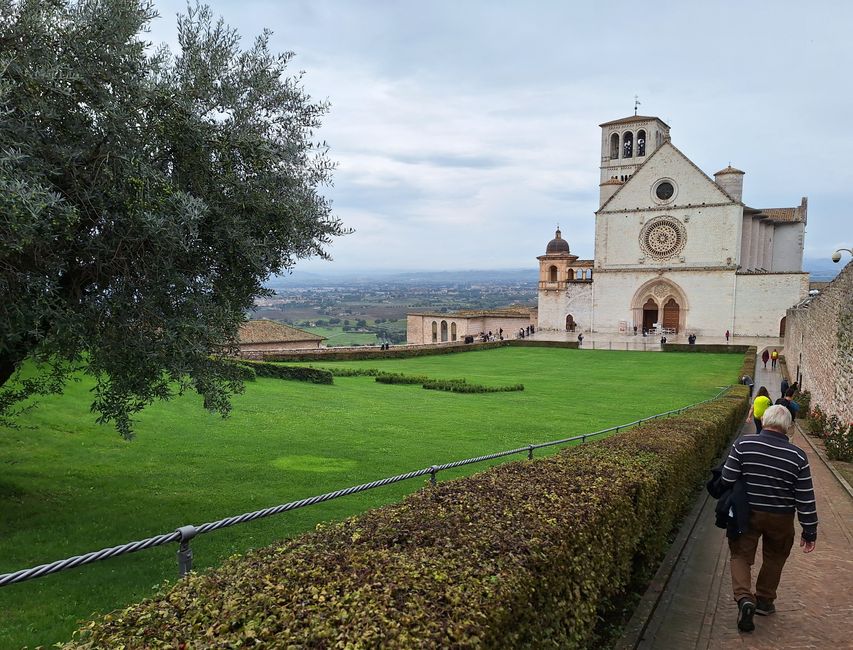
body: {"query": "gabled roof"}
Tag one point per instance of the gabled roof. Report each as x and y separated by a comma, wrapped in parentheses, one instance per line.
(270, 331)
(650, 158)
(634, 118)
(785, 215)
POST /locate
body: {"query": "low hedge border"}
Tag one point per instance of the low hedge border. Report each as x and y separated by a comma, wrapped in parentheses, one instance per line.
(719, 348)
(525, 554)
(294, 373)
(406, 351)
(449, 385)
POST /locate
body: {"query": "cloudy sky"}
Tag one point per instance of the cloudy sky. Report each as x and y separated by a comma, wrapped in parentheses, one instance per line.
(465, 131)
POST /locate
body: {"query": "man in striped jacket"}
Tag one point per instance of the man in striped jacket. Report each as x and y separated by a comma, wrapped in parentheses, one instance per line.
(778, 481)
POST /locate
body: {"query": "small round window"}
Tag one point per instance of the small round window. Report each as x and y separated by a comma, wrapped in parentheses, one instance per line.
(664, 191)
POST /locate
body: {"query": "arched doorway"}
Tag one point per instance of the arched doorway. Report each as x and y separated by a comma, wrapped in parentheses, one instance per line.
(782, 327)
(671, 313)
(443, 331)
(570, 323)
(650, 314)
(452, 331)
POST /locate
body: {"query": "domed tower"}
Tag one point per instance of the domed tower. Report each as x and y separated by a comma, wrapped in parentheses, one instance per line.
(555, 266)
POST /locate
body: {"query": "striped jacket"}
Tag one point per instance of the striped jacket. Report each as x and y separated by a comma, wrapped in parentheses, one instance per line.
(777, 477)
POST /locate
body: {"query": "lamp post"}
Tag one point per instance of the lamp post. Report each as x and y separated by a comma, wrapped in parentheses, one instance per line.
(836, 256)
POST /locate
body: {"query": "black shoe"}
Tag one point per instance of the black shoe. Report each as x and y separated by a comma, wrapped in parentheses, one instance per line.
(765, 607)
(746, 610)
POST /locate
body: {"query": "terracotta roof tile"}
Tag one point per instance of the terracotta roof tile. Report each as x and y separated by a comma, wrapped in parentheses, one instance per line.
(729, 170)
(270, 331)
(634, 118)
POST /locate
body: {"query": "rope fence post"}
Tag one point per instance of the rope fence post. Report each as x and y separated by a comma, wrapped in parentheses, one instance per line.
(529, 452)
(432, 471)
(185, 553)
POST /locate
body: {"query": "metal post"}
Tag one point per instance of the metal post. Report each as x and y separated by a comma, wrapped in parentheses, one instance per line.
(432, 471)
(529, 452)
(185, 553)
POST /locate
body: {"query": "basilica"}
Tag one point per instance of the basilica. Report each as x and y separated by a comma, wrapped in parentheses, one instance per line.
(675, 250)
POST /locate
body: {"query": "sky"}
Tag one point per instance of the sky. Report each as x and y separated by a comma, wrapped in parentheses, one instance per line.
(465, 131)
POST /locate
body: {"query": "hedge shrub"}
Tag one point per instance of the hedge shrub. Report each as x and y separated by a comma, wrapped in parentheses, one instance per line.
(524, 555)
(461, 386)
(707, 347)
(295, 373)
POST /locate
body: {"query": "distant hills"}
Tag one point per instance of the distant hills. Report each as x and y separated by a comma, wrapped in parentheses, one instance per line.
(818, 269)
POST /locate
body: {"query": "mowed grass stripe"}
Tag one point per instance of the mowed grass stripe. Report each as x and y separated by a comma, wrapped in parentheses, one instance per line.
(68, 486)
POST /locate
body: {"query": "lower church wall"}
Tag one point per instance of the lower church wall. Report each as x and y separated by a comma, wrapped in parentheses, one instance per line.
(763, 299)
(709, 295)
(554, 306)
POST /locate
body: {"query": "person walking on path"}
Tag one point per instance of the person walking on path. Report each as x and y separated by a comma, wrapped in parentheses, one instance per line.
(760, 404)
(778, 481)
(765, 357)
(787, 400)
(727, 336)
(774, 357)
(784, 387)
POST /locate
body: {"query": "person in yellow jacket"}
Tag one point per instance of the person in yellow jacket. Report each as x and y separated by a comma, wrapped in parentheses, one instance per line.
(759, 405)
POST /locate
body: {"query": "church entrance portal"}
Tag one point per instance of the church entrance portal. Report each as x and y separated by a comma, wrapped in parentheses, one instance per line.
(670, 315)
(650, 314)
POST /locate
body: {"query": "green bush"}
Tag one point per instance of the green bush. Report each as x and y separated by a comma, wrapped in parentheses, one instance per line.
(461, 386)
(294, 373)
(398, 378)
(524, 555)
(804, 399)
(716, 348)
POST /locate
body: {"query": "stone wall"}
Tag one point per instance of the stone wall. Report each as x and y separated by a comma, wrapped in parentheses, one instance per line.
(819, 346)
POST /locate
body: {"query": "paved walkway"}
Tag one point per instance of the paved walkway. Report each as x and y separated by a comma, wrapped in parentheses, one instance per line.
(814, 608)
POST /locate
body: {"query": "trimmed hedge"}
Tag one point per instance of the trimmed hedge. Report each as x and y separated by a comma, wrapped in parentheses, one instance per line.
(525, 554)
(717, 348)
(294, 373)
(461, 386)
(407, 351)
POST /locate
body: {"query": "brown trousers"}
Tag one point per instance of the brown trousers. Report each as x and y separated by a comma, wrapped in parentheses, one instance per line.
(776, 532)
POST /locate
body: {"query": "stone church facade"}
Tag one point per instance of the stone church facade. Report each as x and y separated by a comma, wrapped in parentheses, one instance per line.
(675, 250)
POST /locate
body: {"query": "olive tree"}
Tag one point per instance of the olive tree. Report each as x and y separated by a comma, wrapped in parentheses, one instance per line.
(145, 197)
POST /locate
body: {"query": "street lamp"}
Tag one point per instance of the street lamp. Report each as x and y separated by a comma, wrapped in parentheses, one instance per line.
(836, 256)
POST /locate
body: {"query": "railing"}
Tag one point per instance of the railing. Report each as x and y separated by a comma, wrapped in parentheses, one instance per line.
(185, 534)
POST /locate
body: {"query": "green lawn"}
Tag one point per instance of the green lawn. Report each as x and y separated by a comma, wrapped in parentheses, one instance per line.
(68, 486)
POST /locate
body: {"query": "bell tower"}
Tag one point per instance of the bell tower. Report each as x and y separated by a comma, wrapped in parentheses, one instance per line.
(627, 143)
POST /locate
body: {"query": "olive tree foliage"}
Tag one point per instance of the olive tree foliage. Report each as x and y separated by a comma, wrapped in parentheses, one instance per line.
(145, 197)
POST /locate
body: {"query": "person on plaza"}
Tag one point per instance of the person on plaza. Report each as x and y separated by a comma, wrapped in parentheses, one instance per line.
(580, 339)
(785, 386)
(727, 336)
(778, 481)
(774, 357)
(760, 404)
(746, 380)
(765, 357)
(787, 400)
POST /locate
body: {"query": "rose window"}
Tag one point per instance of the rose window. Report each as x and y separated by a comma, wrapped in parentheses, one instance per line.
(663, 238)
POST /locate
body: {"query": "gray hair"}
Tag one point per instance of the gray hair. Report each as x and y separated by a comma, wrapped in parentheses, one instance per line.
(777, 417)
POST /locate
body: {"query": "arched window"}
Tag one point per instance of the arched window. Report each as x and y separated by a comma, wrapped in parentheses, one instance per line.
(443, 331)
(452, 331)
(641, 143)
(570, 274)
(587, 274)
(552, 274)
(614, 145)
(590, 274)
(579, 274)
(434, 332)
(628, 145)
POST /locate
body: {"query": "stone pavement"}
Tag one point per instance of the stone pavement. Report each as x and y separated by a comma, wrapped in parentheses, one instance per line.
(814, 608)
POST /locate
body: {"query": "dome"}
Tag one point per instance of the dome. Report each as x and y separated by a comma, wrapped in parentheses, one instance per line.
(557, 245)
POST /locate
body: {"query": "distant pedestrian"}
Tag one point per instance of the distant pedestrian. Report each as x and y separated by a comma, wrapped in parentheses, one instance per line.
(774, 357)
(728, 334)
(501, 333)
(635, 330)
(746, 380)
(533, 329)
(580, 339)
(663, 340)
(759, 405)
(784, 386)
(777, 481)
(765, 357)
